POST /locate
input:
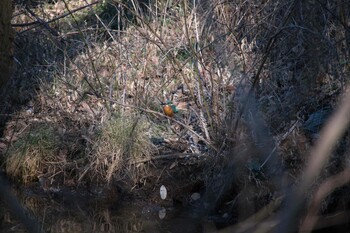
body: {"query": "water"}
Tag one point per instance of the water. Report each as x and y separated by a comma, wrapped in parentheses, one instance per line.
(59, 213)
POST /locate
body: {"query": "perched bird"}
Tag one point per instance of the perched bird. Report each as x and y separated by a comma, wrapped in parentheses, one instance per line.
(169, 109)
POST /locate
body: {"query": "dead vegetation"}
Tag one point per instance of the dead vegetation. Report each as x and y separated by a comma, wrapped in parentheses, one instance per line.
(121, 142)
(254, 84)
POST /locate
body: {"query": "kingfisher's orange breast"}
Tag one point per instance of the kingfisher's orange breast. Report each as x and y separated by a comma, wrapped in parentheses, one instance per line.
(168, 111)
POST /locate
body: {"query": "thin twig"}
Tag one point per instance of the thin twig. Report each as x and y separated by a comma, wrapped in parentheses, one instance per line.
(166, 156)
(278, 143)
(37, 23)
(170, 118)
(42, 22)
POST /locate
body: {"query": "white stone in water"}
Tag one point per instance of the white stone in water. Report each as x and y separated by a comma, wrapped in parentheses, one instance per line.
(195, 196)
(163, 192)
(162, 213)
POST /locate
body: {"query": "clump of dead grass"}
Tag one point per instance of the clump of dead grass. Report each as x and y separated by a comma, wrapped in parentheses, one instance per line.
(121, 142)
(33, 153)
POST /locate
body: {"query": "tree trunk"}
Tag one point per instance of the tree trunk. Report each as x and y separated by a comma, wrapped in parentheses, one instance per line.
(6, 39)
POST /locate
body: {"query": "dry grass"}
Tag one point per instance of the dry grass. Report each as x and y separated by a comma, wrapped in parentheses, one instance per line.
(251, 74)
(122, 141)
(33, 154)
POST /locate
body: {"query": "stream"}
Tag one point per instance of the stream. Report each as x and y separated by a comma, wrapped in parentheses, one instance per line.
(69, 212)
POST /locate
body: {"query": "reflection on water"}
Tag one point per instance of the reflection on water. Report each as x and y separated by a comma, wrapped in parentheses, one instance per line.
(83, 214)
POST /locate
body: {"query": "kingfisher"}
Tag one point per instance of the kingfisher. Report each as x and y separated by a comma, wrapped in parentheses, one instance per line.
(169, 108)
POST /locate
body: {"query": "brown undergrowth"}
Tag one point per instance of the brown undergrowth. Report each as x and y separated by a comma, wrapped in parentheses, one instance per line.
(253, 84)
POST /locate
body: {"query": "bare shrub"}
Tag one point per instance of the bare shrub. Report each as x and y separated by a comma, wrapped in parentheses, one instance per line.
(258, 79)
